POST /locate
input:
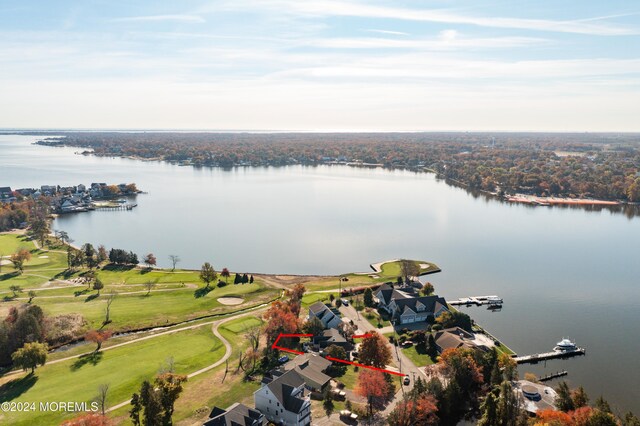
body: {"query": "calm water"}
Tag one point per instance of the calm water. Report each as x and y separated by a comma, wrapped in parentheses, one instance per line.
(562, 272)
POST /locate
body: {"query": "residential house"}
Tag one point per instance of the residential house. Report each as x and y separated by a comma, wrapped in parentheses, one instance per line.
(283, 400)
(535, 396)
(312, 368)
(330, 337)
(6, 194)
(405, 307)
(235, 415)
(456, 337)
(324, 314)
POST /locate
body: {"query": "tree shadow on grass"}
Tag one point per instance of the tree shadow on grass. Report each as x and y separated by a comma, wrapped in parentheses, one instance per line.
(67, 273)
(13, 389)
(8, 298)
(78, 293)
(93, 358)
(91, 297)
(202, 292)
(9, 275)
(117, 268)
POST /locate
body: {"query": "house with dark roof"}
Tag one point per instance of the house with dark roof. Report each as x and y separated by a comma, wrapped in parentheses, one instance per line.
(311, 368)
(283, 400)
(6, 194)
(330, 337)
(324, 314)
(456, 337)
(235, 415)
(406, 308)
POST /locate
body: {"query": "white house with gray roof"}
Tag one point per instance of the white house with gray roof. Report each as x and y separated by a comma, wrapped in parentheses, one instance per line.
(324, 314)
(283, 400)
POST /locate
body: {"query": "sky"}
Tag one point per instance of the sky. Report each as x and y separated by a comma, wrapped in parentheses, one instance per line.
(321, 65)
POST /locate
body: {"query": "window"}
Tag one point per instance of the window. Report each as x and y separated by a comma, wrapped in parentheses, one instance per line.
(278, 404)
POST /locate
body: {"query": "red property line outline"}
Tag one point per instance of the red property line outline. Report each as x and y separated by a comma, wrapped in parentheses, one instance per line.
(330, 358)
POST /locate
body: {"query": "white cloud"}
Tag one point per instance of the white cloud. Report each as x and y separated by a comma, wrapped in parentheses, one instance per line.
(447, 41)
(356, 9)
(388, 32)
(162, 18)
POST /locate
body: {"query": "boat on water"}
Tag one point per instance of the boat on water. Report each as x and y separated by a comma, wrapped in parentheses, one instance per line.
(565, 345)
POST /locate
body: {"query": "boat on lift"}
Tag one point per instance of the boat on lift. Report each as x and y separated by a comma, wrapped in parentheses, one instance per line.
(565, 345)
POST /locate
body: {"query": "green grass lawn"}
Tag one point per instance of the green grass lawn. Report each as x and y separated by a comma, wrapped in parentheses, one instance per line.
(241, 324)
(420, 360)
(310, 298)
(135, 311)
(349, 378)
(122, 368)
(10, 243)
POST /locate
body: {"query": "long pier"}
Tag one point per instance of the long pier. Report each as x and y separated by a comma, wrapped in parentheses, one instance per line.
(116, 207)
(549, 355)
(477, 300)
(553, 376)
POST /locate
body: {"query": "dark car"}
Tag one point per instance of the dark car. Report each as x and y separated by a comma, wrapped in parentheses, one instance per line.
(406, 380)
(283, 359)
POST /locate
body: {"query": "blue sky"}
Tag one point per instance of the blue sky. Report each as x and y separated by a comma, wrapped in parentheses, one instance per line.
(321, 65)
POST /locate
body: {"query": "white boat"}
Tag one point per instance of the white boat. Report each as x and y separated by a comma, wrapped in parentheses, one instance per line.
(565, 345)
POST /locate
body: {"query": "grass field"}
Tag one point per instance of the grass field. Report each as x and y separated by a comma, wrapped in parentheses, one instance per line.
(135, 311)
(420, 360)
(122, 368)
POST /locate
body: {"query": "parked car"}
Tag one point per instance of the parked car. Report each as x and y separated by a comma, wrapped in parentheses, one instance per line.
(406, 380)
(345, 302)
(346, 414)
(283, 359)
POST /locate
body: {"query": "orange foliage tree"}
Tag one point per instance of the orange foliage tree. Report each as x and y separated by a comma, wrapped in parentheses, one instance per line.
(88, 419)
(419, 411)
(372, 386)
(98, 337)
(279, 319)
(375, 351)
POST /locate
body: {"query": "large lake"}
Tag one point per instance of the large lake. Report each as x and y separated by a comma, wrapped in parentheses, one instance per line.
(562, 272)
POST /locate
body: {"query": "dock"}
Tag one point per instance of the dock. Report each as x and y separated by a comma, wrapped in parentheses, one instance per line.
(529, 359)
(110, 206)
(553, 376)
(477, 301)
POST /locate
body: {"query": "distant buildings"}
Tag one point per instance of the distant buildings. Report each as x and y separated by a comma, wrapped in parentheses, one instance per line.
(6, 194)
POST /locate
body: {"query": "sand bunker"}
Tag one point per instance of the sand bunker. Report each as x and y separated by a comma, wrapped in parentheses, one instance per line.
(43, 257)
(230, 300)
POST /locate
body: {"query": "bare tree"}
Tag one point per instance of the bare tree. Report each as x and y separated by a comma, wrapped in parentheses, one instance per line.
(168, 366)
(174, 258)
(101, 398)
(149, 285)
(253, 335)
(110, 299)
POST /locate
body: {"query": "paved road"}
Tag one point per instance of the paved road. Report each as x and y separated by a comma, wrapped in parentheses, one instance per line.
(405, 365)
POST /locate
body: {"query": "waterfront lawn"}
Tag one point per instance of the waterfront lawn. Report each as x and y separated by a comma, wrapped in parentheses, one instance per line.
(420, 360)
(310, 298)
(392, 269)
(123, 368)
(134, 311)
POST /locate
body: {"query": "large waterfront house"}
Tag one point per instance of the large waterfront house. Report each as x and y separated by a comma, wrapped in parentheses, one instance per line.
(324, 314)
(283, 400)
(235, 415)
(405, 307)
(456, 337)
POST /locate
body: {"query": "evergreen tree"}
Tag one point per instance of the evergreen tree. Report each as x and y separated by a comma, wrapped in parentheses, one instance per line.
(563, 399)
(368, 297)
(489, 410)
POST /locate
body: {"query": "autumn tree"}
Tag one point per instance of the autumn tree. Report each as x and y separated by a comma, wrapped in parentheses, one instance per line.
(420, 410)
(463, 371)
(372, 386)
(409, 268)
(150, 260)
(456, 318)
(98, 337)
(295, 298)
(279, 319)
(208, 274)
(427, 289)
(19, 258)
(88, 419)
(30, 356)
(225, 274)
(375, 351)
